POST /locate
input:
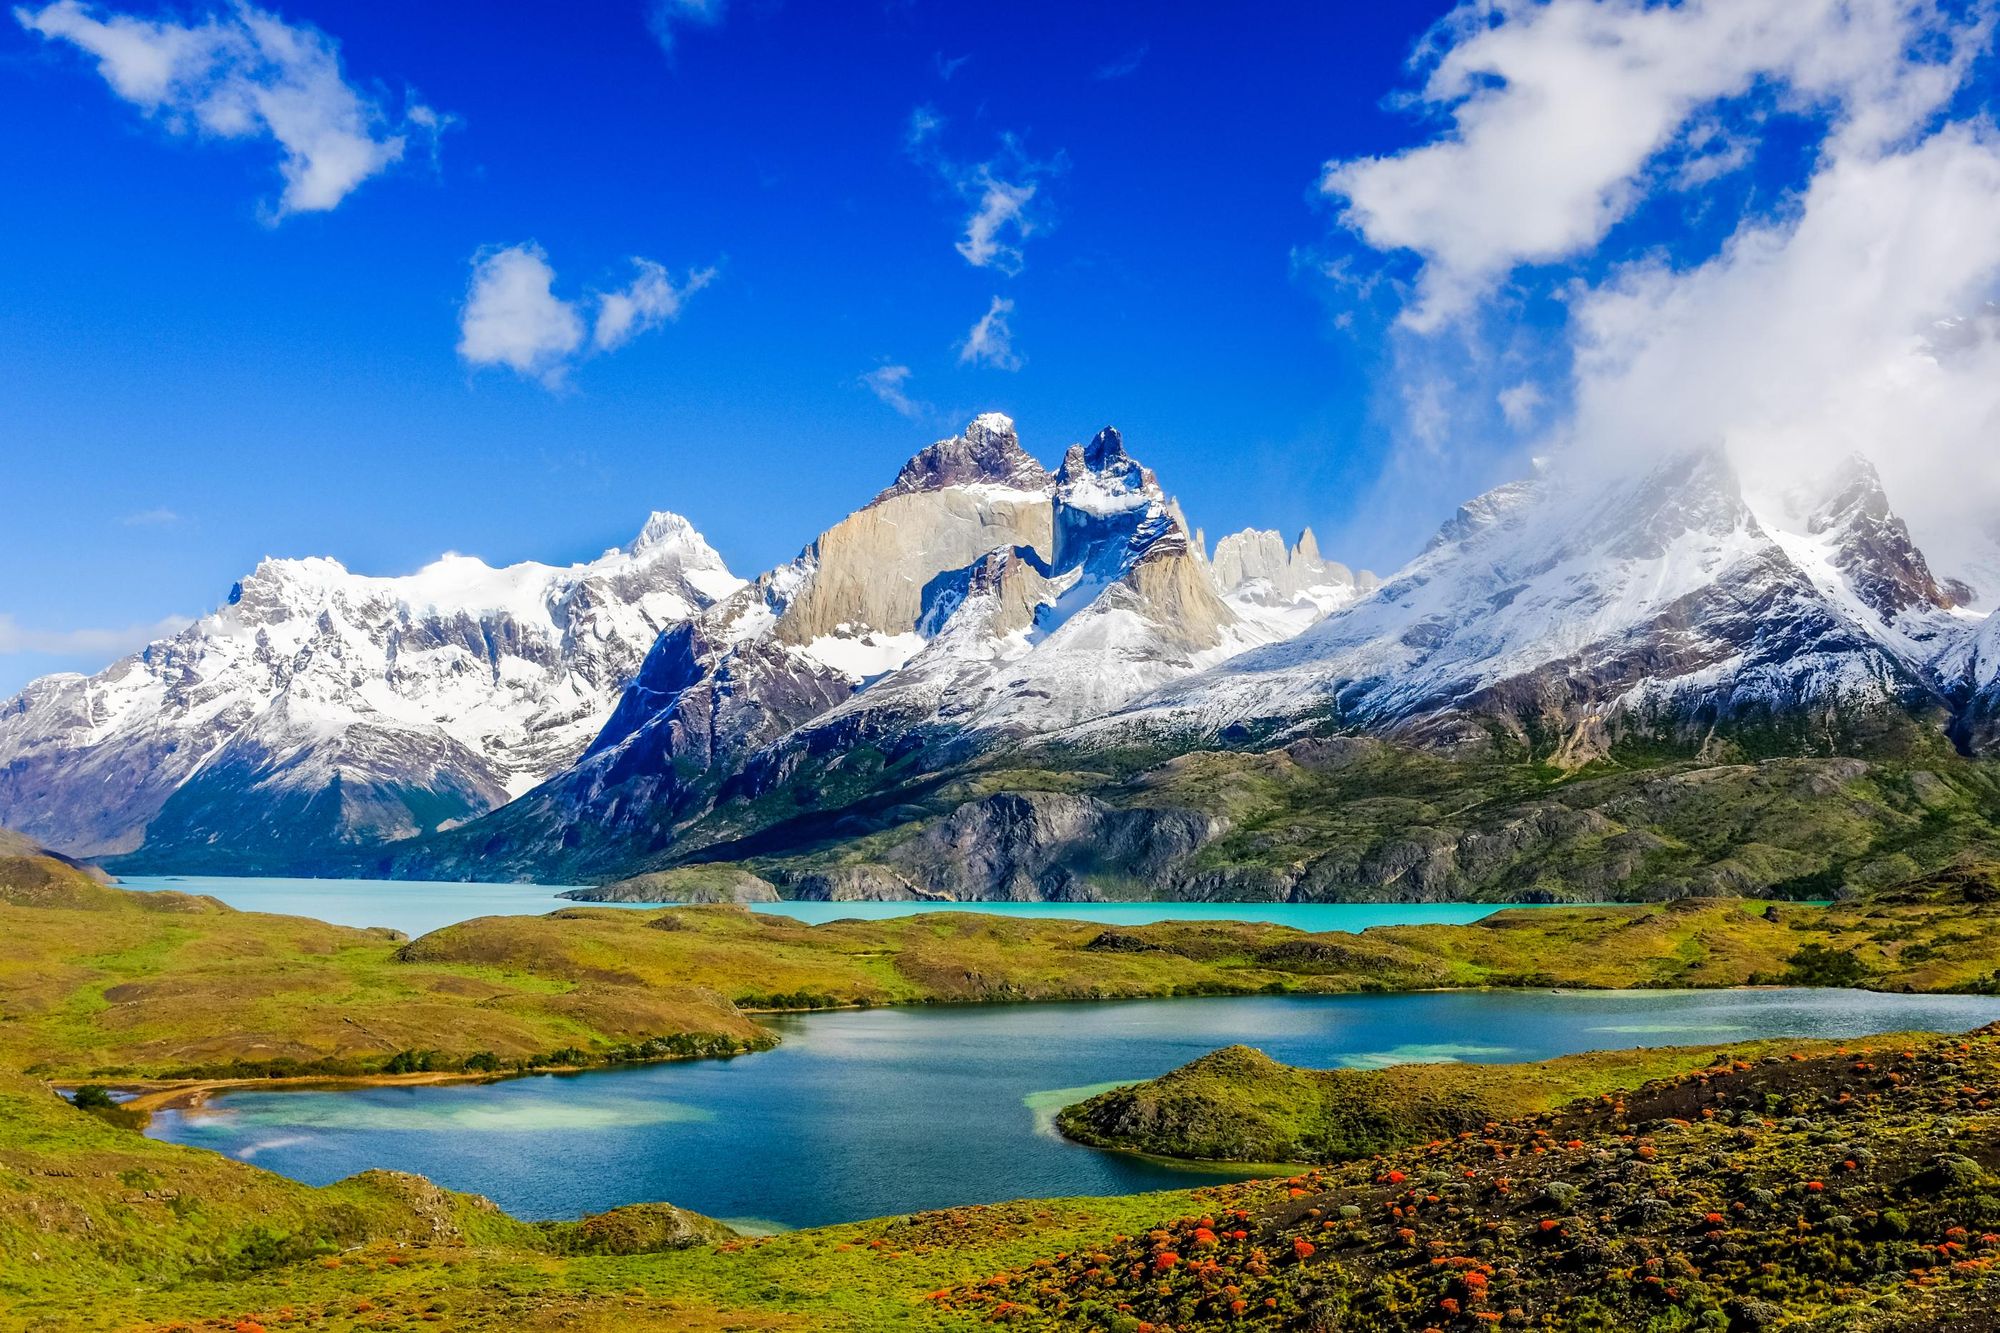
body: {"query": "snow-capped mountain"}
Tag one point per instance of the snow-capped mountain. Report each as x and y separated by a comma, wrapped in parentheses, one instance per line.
(979, 611)
(977, 600)
(1286, 588)
(319, 708)
(1564, 610)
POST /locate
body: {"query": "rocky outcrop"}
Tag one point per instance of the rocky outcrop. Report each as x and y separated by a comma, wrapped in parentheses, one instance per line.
(683, 884)
(861, 883)
(1052, 847)
(640, 1228)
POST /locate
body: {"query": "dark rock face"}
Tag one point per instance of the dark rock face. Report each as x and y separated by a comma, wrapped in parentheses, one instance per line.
(1050, 847)
(1874, 550)
(988, 453)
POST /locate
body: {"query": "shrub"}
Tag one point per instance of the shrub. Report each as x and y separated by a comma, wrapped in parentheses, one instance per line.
(92, 1097)
(1817, 965)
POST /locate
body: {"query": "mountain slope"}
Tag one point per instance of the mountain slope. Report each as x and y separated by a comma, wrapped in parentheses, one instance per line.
(318, 709)
(1560, 615)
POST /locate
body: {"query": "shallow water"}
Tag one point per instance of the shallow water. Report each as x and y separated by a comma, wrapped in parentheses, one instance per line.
(874, 1112)
(418, 906)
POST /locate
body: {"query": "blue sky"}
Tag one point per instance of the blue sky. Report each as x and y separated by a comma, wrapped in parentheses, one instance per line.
(207, 362)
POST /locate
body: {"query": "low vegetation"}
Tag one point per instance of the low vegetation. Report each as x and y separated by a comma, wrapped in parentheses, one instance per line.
(1851, 1189)
(99, 984)
(1238, 1104)
(1814, 1187)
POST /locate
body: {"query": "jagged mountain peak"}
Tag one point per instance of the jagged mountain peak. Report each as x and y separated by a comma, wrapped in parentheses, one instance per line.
(665, 530)
(987, 453)
(1102, 477)
(1871, 543)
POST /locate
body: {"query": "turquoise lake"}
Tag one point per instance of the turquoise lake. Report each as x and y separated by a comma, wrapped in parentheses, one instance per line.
(416, 907)
(876, 1112)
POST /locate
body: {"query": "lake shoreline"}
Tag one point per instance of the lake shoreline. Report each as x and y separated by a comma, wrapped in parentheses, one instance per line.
(153, 1095)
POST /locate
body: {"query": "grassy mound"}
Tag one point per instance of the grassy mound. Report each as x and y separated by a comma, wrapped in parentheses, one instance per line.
(1853, 1190)
(1238, 1104)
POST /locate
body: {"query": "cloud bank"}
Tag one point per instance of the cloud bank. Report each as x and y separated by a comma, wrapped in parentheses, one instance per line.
(110, 643)
(1848, 305)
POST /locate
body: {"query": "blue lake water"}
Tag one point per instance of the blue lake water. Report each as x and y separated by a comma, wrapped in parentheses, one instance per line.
(415, 906)
(869, 1113)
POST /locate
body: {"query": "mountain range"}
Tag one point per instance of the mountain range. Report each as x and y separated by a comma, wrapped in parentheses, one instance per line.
(997, 680)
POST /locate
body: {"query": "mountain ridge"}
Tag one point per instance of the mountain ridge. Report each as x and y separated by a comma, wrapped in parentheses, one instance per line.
(991, 680)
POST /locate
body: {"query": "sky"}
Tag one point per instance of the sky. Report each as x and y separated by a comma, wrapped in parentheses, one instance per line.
(381, 281)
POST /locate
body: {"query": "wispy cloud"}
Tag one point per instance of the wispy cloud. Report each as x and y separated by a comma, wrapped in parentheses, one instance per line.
(1124, 66)
(1520, 402)
(991, 340)
(244, 73)
(18, 638)
(1001, 191)
(948, 66)
(887, 383)
(151, 518)
(669, 18)
(648, 302)
(512, 316)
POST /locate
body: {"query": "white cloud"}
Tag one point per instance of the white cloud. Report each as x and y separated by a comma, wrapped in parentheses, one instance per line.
(887, 383)
(991, 341)
(1000, 191)
(161, 517)
(244, 73)
(1557, 109)
(1002, 209)
(512, 316)
(1822, 334)
(1520, 402)
(1123, 67)
(668, 17)
(112, 643)
(650, 301)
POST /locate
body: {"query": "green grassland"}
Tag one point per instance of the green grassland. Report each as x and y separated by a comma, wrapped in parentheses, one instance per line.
(1238, 1104)
(1821, 1187)
(101, 1228)
(102, 983)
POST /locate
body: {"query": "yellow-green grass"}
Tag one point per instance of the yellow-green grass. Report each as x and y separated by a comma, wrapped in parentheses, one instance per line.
(103, 1229)
(1238, 1104)
(102, 983)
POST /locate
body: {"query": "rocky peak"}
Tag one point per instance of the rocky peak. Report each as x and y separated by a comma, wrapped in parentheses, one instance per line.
(1870, 545)
(1109, 506)
(1102, 472)
(1495, 508)
(1246, 557)
(665, 531)
(989, 453)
